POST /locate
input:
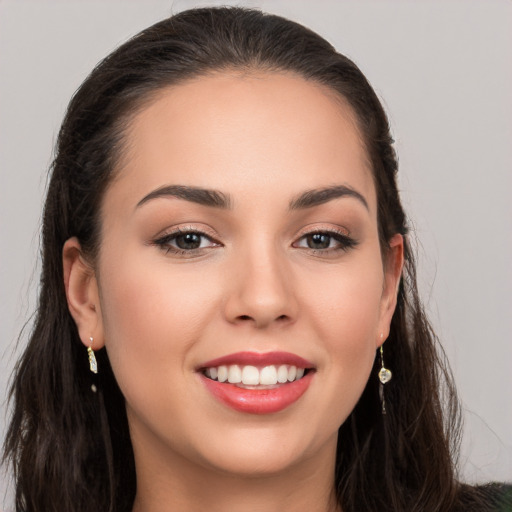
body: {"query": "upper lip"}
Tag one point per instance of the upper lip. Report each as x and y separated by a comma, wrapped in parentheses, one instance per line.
(258, 359)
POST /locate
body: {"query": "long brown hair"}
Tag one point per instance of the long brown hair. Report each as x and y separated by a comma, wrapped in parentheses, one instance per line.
(70, 448)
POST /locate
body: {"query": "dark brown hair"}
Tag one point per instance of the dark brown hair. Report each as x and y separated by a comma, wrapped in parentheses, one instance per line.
(70, 448)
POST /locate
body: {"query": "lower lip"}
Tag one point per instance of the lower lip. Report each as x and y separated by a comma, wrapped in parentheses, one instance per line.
(259, 401)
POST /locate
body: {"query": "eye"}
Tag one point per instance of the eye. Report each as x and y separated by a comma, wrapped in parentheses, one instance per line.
(325, 241)
(319, 241)
(186, 242)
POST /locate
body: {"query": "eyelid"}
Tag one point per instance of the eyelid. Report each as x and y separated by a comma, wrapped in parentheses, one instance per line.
(320, 228)
(342, 235)
(163, 239)
(189, 228)
(339, 233)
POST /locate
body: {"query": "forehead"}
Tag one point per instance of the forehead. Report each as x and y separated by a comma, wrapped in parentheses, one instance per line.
(244, 133)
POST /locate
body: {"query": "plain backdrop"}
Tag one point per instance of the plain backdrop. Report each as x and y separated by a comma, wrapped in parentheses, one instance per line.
(443, 70)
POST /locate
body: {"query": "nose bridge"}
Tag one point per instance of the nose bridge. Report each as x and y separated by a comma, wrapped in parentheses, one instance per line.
(262, 290)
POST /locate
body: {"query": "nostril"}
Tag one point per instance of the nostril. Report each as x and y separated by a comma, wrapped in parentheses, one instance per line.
(248, 317)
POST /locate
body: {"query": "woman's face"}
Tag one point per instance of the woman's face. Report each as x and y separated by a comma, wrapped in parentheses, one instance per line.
(240, 240)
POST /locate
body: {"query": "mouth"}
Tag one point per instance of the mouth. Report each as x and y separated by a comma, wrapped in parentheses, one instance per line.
(257, 383)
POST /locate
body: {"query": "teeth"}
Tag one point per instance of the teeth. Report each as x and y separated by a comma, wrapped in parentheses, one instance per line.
(252, 376)
(234, 374)
(222, 373)
(268, 376)
(282, 374)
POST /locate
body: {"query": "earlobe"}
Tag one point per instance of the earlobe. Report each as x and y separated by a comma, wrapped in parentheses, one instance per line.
(392, 274)
(82, 294)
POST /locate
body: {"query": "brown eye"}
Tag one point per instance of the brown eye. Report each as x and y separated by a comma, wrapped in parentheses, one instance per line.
(318, 241)
(325, 242)
(188, 241)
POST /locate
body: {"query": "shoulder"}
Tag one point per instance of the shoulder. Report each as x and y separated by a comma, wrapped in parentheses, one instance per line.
(494, 497)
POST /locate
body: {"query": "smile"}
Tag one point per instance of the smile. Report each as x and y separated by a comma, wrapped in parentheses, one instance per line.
(252, 376)
(257, 383)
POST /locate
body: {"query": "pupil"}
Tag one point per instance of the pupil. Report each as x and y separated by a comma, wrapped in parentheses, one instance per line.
(188, 241)
(319, 241)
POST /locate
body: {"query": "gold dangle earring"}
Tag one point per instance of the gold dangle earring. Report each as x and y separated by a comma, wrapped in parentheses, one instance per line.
(385, 376)
(93, 364)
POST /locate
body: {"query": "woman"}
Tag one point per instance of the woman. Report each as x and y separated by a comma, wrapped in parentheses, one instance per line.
(228, 314)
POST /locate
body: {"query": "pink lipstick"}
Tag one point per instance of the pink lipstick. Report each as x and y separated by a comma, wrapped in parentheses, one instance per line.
(257, 383)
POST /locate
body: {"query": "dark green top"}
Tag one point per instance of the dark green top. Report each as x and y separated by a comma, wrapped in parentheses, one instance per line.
(486, 498)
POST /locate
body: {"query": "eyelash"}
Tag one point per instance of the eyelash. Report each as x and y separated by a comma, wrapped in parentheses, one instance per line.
(345, 242)
(164, 242)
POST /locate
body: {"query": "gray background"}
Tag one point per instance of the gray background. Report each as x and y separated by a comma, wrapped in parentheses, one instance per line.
(443, 70)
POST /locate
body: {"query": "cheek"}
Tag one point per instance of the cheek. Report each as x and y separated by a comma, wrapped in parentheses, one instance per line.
(151, 318)
(348, 304)
(346, 319)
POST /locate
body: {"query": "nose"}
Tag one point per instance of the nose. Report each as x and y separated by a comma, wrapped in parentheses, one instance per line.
(261, 291)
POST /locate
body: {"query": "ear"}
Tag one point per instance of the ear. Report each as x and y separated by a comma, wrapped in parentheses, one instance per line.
(393, 264)
(82, 294)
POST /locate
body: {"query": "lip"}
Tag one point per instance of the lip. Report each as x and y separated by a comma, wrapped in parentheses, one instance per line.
(258, 359)
(258, 400)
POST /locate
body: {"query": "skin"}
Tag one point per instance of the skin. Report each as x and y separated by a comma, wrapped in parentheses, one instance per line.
(255, 284)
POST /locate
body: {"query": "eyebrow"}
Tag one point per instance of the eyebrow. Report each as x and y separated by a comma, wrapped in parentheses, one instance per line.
(320, 196)
(203, 196)
(217, 199)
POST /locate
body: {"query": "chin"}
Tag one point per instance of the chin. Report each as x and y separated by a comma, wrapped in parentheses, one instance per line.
(256, 463)
(265, 452)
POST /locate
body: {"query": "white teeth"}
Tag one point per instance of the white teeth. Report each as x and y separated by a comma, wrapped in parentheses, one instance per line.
(268, 376)
(250, 375)
(253, 376)
(234, 374)
(222, 373)
(282, 374)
